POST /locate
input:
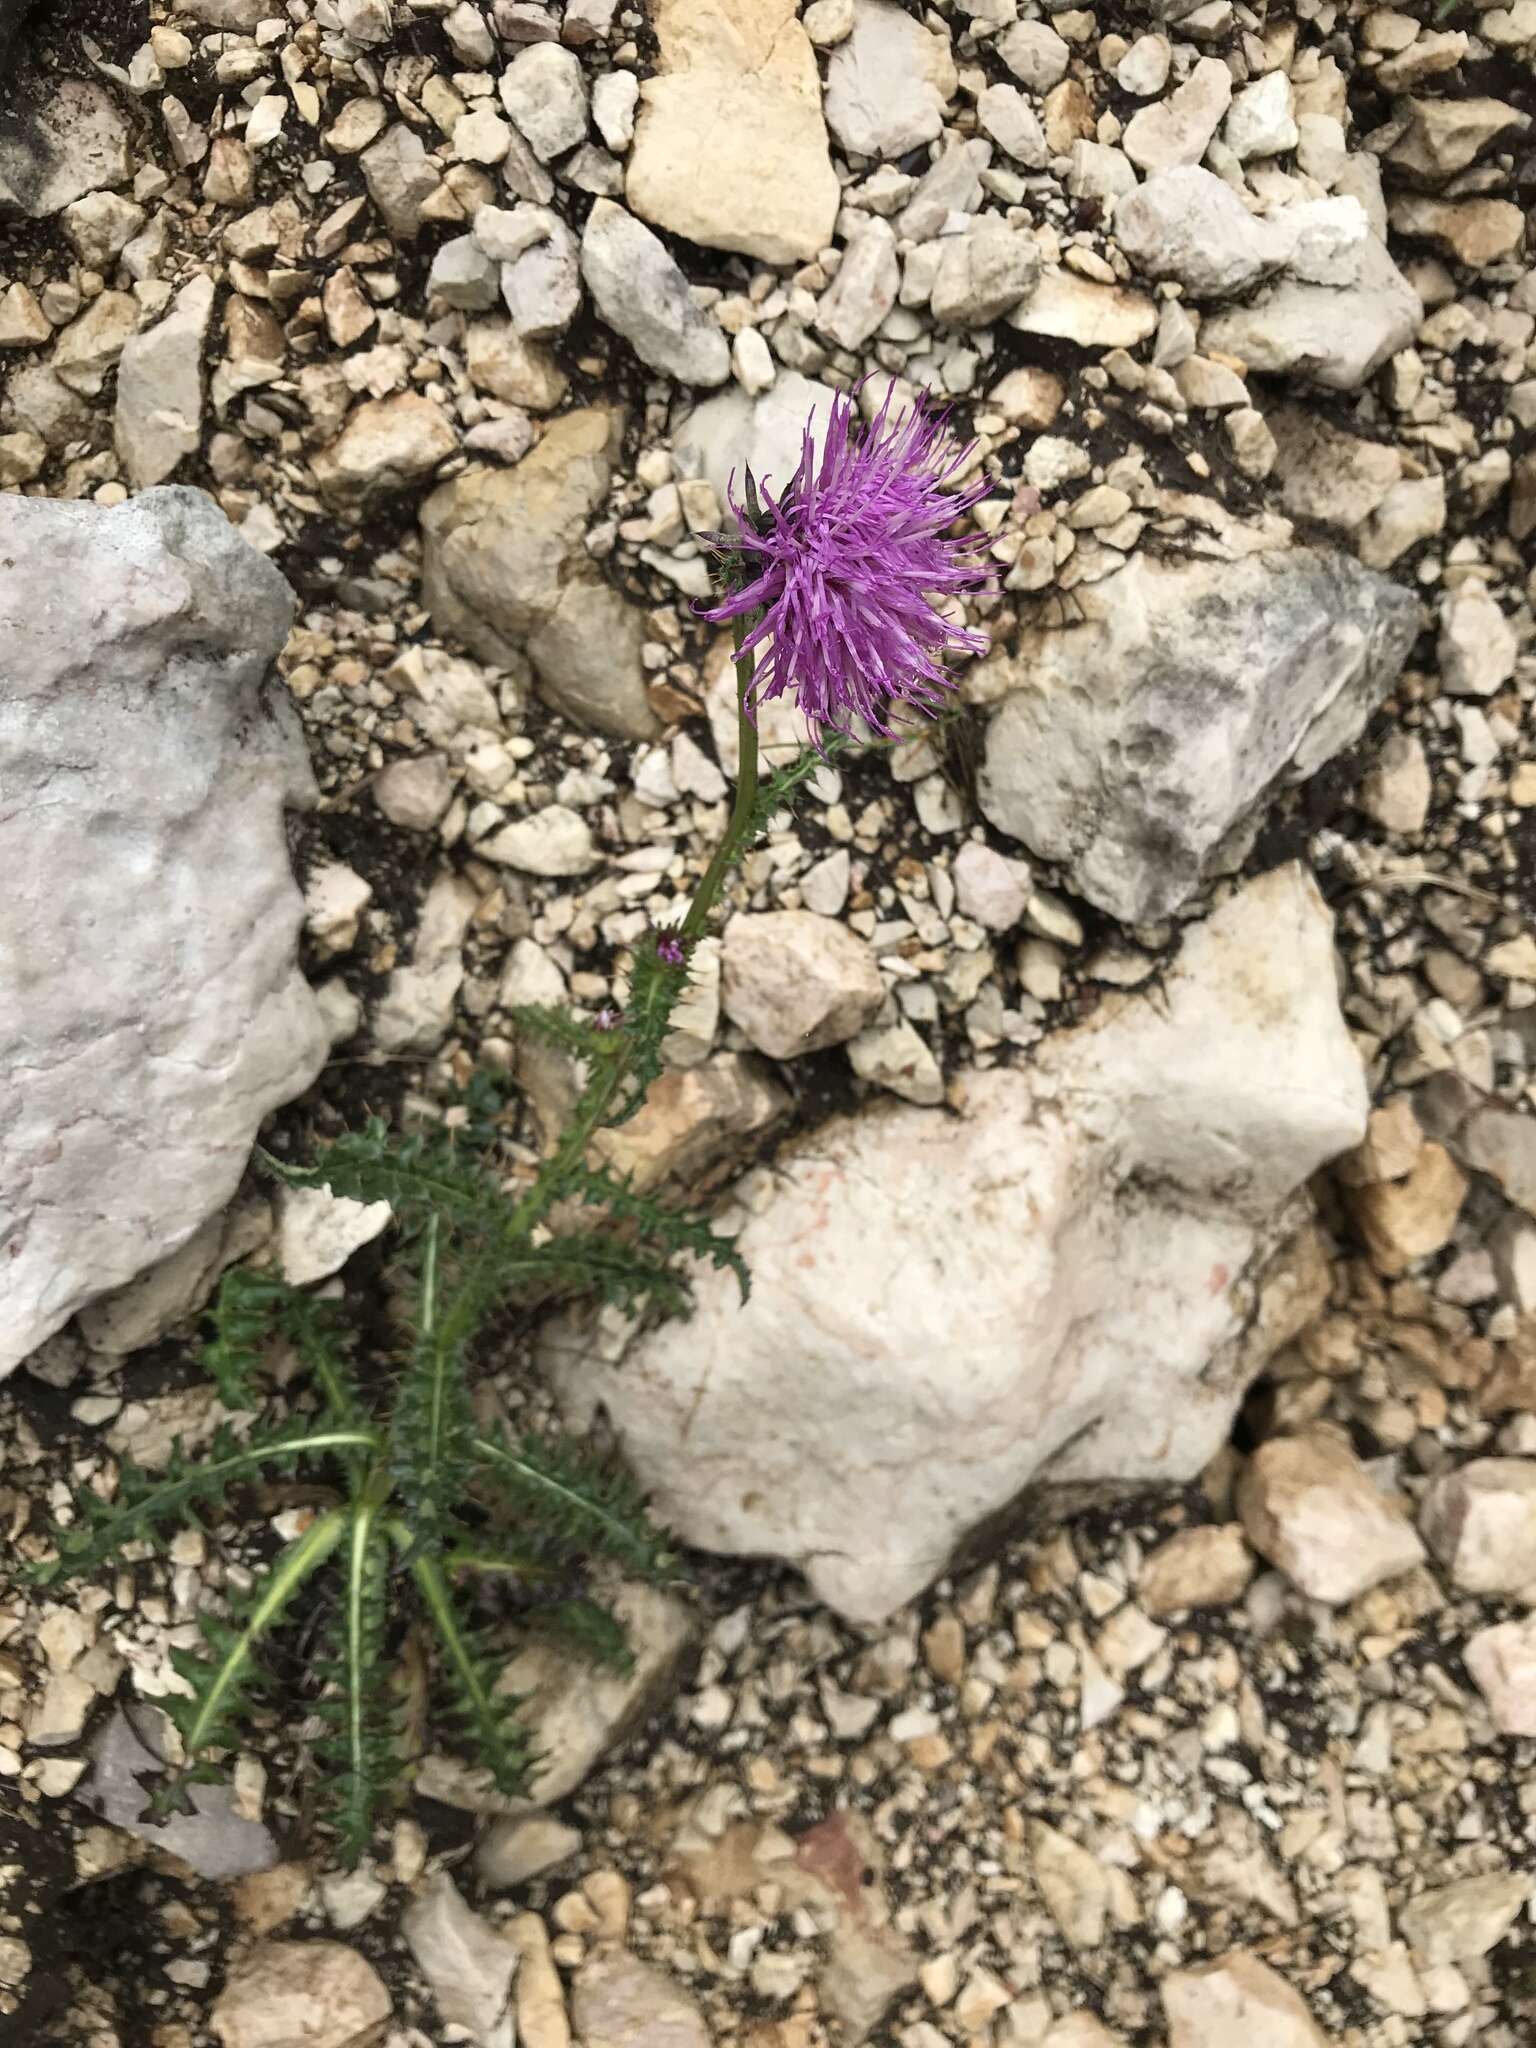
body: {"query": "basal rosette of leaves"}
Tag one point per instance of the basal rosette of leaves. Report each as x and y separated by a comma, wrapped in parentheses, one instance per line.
(835, 578)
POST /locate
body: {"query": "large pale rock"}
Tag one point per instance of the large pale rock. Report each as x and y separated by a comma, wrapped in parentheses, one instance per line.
(1178, 129)
(1189, 225)
(301, 1994)
(730, 147)
(1458, 1922)
(1336, 335)
(726, 436)
(1138, 743)
(150, 921)
(506, 571)
(888, 82)
(1309, 1506)
(797, 983)
(1090, 1236)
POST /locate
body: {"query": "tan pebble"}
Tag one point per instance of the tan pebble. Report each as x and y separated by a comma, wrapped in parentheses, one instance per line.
(541, 2019)
(574, 1915)
(608, 1893)
(944, 1649)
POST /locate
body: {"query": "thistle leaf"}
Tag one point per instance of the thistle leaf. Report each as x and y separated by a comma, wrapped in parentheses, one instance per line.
(587, 1627)
(488, 1719)
(247, 1313)
(222, 1685)
(360, 1742)
(571, 1502)
(145, 1502)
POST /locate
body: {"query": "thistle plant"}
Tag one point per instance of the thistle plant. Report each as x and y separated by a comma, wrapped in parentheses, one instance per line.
(829, 589)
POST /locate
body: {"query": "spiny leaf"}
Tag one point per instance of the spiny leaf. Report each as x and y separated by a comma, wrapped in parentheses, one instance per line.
(246, 1315)
(468, 1673)
(424, 1174)
(672, 1227)
(360, 1742)
(592, 1262)
(572, 1502)
(221, 1685)
(146, 1502)
(586, 1626)
(430, 1433)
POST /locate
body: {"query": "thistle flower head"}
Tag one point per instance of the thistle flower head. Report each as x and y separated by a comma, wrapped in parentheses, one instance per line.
(845, 564)
(670, 952)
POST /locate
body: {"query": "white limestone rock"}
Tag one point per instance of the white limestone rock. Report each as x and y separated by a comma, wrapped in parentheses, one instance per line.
(150, 921)
(1093, 1234)
(1138, 743)
(1310, 1507)
(797, 983)
(1189, 225)
(1330, 334)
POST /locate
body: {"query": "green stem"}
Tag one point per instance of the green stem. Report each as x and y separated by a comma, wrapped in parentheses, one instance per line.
(746, 795)
(572, 1149)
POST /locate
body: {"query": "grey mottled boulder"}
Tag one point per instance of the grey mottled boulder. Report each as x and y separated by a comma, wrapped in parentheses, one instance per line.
(154, 1010)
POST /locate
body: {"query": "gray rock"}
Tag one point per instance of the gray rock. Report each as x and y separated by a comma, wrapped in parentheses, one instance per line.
(1036, 55)
(797, 983)
(1188, 225)
(163, 1014)
(951, 185)
(641, 292)
(399, 179)
(463, 275)
(505, 570)
(726, 436)
(1103, 1221)
(542, 285)
(864, 289)
(1139, 744)
(1178, 130)
(984, 273)
(417, 1006)
(544, 91)
(468, 1963)
(74, 140)
(1006, 115)
(213, 1839)
(888, 82)
(1332, 335)
(515, 1850)
(159, 416)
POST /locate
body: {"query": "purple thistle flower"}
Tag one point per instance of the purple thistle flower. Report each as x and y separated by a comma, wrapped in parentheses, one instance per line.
(670, 952)
(848, 559)
(607, 1018)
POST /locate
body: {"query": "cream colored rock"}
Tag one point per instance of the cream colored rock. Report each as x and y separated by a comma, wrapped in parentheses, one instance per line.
(730, 147)
(693, 1121)
(301, 1994)
(1310, 1507)
(619, 2002)
(1480, 1522)
(505, 570)
(159, 414)
(1072, 308)
(796, 983)
(1502, 1664)
(1238, 2000)
(1073, 1884)
(1406, 1220)
(387, 445)
(1108, 1333)
(1178, 129)
(888, 82)
(1458, 1922)
(1207, 1567)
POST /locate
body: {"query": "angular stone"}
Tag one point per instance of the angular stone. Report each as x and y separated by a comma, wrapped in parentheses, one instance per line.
(1238, 1999)
(1470, 231)
(1036, 55)
(150, 902)
(400, 180)
(1188, 225)
(1502, 1664)
(1502, 1144)
(1101, 753)
(1456, 1923)
(387, 445)
(544, 90)
(468, 1963)
(1445, 136)
(1336, 336)
(417, 1006)
(553, 841)
(516, 371)
(983, 274)
(796, 983)
(1259, 121)
(505, 570)
(693, 1120)
(1010, 1235)
(888, 82)
(619, 2002)
(1073, 308)
(864, 289)
(730, 147)
(1310, 1507)
(1207, 1567)
(159, 417)
(1478, 645)
(301, 1994)
(1409, 1219)
(639, 290)
(513, 1851)
(1480, 1522)
(127, 1758)
(75, 140)
(1178, 129)
(727, 435)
